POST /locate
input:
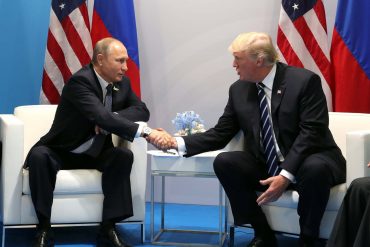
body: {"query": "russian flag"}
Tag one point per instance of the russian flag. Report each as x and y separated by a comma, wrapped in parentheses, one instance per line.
(116, 18)
(350, 57)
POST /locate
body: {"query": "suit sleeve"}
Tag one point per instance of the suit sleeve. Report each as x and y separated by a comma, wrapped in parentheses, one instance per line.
(313, 125)
(130, 106)
(80, 92)
(217, 137)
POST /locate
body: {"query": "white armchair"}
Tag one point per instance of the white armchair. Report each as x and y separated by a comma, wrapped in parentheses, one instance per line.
(351, 132)
(77, 192)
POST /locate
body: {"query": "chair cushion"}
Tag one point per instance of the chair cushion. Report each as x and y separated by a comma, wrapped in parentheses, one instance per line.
(289, 199)
(79, 181)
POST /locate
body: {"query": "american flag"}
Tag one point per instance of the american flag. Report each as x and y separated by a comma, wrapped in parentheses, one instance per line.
(303, 41)
(69, 46)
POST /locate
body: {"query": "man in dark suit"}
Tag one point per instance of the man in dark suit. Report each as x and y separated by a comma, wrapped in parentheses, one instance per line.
(306, 157)
(352, 225)
(96, 101)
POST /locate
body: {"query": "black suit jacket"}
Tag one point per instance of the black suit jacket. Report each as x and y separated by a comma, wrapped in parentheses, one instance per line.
(299, 115)
(81, 108)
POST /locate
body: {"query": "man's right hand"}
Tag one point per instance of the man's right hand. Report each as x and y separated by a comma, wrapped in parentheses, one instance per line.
(161, 139)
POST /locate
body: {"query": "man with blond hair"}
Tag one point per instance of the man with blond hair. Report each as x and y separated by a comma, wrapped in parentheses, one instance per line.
(283, 114)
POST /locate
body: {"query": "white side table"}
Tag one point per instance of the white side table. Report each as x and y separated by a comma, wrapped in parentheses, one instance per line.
(201, 165)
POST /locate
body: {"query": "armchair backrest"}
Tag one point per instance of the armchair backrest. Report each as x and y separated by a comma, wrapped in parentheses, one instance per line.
(37, 120)
(340, 123)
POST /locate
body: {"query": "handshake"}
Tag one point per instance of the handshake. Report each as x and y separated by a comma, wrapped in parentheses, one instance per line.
(161, 139)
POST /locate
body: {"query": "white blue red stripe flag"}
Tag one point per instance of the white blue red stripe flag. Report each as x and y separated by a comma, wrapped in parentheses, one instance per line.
(350, 53)
(116, 18)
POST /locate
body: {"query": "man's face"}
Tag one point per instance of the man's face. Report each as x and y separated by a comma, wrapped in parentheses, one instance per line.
(245, 66)
(114, 63)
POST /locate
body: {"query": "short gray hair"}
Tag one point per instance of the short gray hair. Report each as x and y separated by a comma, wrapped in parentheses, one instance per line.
(102, 47)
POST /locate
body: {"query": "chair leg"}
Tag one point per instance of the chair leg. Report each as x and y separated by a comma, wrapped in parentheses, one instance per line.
(231, 237)
(3, 236)
(142, 233)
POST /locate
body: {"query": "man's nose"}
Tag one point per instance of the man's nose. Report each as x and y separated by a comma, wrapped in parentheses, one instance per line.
(234, 63)
(124, 67)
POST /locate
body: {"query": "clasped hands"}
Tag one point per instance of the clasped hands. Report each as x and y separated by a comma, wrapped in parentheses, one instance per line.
(161, 139)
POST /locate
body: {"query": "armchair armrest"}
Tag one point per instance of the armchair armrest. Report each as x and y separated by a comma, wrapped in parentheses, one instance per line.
(12, 138)
(138, 145)
(138, 173)
(358, 155)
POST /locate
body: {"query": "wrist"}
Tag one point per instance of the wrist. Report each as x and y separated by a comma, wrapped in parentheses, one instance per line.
(174, 143)
(146, 131)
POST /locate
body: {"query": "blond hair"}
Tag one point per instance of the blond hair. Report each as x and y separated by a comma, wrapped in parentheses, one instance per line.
(256, 45)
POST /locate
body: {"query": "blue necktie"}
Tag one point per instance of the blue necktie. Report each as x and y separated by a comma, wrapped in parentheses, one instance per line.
(108, 98)
(107, 104)
(266, 133)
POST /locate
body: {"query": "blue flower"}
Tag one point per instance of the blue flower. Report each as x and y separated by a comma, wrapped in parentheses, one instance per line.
(188, 122)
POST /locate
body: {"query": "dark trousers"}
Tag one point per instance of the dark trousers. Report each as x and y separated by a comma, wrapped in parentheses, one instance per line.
(239, 173)
(114, 163)
(352, 225)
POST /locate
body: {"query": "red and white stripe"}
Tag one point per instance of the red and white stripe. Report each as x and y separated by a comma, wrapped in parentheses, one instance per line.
(69, 47)
(304, 43)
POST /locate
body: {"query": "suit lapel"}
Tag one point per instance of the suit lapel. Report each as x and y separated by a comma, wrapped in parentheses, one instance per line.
(278, 89)
(255, 112)
(95, 84)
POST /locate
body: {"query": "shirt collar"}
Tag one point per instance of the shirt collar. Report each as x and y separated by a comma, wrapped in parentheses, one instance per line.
(269, 79)
(103, 83)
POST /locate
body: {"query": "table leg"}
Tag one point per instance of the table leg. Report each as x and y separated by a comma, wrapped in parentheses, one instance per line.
(226, 213)
(163, 201)
(220, 233)
(152, 209)
(232, 232)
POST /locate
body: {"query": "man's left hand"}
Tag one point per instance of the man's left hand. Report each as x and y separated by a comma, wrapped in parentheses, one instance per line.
(277, 185)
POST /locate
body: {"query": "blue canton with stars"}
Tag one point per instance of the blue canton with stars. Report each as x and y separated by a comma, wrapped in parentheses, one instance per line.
(297, 8)
(63, 8)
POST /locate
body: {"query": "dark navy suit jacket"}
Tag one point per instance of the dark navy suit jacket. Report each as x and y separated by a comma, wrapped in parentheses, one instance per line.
(81, 108)
(300, 120)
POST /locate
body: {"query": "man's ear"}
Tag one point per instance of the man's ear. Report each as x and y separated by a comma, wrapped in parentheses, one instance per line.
(99, 59)
(259, 61)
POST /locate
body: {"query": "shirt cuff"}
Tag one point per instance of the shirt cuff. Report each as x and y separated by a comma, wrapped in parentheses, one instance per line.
(139, 130)
(288, 175)
(181, 148)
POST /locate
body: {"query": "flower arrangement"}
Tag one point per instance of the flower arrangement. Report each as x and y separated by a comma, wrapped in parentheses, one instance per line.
(188, 123)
